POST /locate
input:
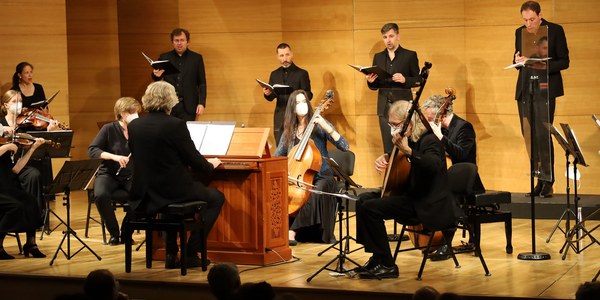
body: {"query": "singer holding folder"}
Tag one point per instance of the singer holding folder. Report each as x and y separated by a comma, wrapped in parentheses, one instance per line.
(114, 173)
(403, 65)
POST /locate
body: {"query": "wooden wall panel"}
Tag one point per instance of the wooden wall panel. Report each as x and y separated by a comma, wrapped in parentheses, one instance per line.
(94, 82)
(317, 15)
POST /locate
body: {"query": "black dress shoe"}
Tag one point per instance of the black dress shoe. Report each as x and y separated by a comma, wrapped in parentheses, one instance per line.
(171, 262)
(114, 240)
(5, 256)
(442, 253)
(370, 264)
(536, 190)
(33, 250)
(195, 262)
(380, 272)
(547, 190)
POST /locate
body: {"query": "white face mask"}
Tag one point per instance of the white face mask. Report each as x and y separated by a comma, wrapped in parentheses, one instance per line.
(302, 109)
(394, 131)
(131, 117)
(16, 108)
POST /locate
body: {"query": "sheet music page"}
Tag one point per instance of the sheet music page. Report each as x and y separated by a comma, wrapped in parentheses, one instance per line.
(217, 139)
(197, 131)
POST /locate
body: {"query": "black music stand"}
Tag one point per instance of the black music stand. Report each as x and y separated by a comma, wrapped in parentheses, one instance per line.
(44, 153)
(348, 182)
(74, 175)
(567, 213)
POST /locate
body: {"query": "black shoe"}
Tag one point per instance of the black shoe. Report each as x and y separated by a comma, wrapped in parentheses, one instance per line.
(536, 190)
(5, 256)
(380, 272)
(114, 240)
(547, 190)
(195, 262)
(171, 262)
(293, 242)
(370, 264)
(33, 250)
(442, 253)
(464, 248)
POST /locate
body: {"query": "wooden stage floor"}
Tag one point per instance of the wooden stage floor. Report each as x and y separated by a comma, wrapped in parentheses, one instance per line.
(555, 278)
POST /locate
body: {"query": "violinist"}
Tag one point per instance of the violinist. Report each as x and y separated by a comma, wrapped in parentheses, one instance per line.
(19, 210)
(316, 219)
(425, 196)
(22, 81)
(115, 171)
(29, 176)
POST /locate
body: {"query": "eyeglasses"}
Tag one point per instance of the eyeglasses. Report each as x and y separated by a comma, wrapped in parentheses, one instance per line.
(396, 126)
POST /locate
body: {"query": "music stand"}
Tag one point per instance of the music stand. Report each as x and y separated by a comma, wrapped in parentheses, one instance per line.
(348, 182)
(580, 224)
(62, 140)
(74, 175)
(567, 213)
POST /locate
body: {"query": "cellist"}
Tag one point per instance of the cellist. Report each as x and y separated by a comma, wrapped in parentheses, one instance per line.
(426, 194)
(315, 221)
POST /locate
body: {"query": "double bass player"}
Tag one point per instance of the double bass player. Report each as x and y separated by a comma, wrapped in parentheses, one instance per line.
(425, 196)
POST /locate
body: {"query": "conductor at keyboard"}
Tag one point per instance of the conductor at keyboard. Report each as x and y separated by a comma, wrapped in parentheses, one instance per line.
(164, 157)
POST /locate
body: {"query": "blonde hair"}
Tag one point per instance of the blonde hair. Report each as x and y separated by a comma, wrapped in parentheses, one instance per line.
(400, 110)
(126, 104)
(6, 98)
(159, 96)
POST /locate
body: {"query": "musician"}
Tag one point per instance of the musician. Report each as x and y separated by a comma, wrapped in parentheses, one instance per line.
(288, 74)
(426, 195)
(555, 48)
(29, 176)
(190, 82)
(163, 154)
(316, 219)
(458, 137)
(403, 65)
(19, 210)
(115, 171)
(22, 81)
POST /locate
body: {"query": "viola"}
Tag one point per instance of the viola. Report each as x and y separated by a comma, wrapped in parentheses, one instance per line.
(39, 119)
(25, 139)
(305, 162)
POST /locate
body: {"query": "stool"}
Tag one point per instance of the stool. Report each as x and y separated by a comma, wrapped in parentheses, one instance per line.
(483, 208)
(119, 199)
(186, 221)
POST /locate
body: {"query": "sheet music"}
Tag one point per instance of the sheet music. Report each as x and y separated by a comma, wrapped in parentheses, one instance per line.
(211, 138)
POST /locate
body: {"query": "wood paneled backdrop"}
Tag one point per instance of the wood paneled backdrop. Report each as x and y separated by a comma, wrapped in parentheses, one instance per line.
(90, 50)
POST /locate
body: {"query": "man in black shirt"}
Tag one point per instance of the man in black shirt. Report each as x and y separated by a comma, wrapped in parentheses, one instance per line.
(190, 82)
(288, 74)
(403, 66)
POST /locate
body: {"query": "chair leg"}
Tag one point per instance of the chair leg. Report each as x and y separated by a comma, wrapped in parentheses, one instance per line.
(203, 250)
(19, 243)
(149, 238)
(478, 253)
(398, 244)
(184, 254)
(87, 220)
(128, 247)
(425, 255)
(508, 232)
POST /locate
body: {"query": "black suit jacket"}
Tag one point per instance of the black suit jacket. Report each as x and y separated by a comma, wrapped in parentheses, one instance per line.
(459, 141)
(428, 184)
(163, 153)
(297, 79)
(190, 82)
(405, 62)
(559, 53)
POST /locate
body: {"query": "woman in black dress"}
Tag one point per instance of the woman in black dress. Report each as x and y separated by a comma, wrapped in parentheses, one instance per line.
(22, 81)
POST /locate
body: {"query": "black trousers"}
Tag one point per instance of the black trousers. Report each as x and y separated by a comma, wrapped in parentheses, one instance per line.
(543, 152)
(179, 111)
(30, 180)
(104, 187)
(214, 200)
(371, 213)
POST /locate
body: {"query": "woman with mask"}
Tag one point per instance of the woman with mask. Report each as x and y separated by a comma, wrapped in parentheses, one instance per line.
(19, 210)
(315, 221)
(115, 173)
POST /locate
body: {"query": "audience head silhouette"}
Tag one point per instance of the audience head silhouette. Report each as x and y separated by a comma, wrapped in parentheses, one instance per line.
(588, 291)
(256, 291)
(101, 285)
(224, 280)
(426, 293)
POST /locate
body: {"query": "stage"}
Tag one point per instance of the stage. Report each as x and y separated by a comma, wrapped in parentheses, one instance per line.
(29, 278)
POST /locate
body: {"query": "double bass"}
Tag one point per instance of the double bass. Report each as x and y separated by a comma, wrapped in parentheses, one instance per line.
(304, 162)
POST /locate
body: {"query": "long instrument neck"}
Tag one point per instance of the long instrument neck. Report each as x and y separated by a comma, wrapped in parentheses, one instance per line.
(306, 135)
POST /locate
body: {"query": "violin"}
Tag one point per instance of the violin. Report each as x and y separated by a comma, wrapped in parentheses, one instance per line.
(304, 162)
(39, 119)
(25, 139)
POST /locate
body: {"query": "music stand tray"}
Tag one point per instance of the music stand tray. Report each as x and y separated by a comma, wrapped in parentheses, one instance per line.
(74, 175)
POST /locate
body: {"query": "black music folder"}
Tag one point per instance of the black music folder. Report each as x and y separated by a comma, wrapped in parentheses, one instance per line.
(162, 65)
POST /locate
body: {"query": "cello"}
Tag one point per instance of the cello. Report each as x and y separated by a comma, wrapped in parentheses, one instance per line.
(398, 170)
(305, 162)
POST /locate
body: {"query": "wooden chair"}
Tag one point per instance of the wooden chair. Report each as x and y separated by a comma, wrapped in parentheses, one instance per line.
(187, 218)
